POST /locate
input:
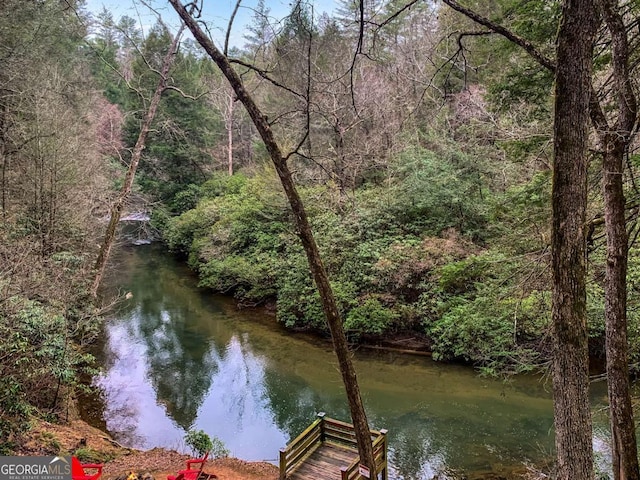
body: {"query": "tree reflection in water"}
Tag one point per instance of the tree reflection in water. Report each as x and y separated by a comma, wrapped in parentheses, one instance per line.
(178, 358)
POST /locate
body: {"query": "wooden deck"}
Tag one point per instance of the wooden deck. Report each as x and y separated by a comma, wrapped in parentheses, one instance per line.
(327, 450)
(325, 462)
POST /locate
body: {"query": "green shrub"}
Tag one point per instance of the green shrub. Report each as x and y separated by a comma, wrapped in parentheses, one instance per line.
(250, 280)
(39, 362)
(436, 192)
(200, 443)
(299, 303)
(497, 334)
(371, 317)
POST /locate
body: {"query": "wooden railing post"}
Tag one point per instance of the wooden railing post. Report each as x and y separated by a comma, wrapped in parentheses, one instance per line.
(283, 464)
(321, 417)
(343, 473)
(383, 432)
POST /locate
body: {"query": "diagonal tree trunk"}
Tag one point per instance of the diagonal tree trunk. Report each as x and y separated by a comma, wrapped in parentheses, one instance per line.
(118, 205)
(316, 266)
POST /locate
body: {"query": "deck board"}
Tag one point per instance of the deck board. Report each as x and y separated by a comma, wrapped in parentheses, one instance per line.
(324, 463)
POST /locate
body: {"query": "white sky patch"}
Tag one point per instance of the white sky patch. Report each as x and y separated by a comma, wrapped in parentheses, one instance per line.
(216, 14)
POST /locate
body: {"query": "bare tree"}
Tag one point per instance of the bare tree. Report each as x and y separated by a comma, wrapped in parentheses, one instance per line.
(222, 98)
(119, 203)
(317, 268)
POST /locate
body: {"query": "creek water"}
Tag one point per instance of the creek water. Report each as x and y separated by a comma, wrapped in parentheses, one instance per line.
(176, 358)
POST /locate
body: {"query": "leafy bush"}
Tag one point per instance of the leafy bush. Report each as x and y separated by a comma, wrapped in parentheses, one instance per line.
(251, 282)
(186, 199)
(201, 443)
(497, 334)
(39, 363)
(234, 237)
(299, 303)
(369, 318)
(436, 193)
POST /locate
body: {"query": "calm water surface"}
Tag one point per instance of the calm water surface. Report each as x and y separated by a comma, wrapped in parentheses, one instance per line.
(177, 358)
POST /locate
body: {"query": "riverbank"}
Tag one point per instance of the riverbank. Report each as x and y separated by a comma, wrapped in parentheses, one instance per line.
(93, 445)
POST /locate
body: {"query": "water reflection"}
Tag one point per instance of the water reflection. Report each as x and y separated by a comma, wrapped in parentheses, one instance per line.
(176, 358)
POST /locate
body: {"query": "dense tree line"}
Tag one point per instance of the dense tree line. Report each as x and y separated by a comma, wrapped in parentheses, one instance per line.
(55, 130)
(430, 191)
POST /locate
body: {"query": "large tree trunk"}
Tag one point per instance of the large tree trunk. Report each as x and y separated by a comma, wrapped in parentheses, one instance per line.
(615, 142)
(318, 271)
(570, 369)
(118, 205)
(623, 435)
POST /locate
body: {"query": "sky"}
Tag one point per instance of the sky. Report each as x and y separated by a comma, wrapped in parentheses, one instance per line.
(216, 13)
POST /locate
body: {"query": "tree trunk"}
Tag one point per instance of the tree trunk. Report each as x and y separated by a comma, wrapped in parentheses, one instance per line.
(3, 180)
(623, 437)
(570, 369)
(318, 271)
(118, 205)
(615, 142)
(229, 122)
(3, 157)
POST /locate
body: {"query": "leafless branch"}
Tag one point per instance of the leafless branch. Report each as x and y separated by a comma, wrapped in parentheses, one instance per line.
(264, 74)
(186, 95)
(396, 14)
(461, 48)
(509, 35)
(226, 38)
(307, 129)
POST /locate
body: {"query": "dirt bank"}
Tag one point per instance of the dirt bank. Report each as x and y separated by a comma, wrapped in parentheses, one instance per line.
(77, 437)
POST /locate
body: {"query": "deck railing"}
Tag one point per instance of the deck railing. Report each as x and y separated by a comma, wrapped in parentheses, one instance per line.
(352, 472)
(325, 429)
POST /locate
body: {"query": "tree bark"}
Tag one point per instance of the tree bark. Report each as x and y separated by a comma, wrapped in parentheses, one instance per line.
(229, 122)
(118, 205)
(319, 274)
(623, 437)
(615, 143)
(570, 370)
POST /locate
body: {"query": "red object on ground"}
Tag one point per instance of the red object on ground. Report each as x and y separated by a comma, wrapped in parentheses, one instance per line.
(191, 473)
(78, 470)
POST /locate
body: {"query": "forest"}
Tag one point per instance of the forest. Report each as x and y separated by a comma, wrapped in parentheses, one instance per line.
(420, 139)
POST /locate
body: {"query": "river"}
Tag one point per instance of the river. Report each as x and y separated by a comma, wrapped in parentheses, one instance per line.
(176, 358)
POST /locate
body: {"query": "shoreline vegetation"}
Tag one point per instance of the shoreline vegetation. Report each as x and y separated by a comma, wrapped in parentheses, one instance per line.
(92, 445)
